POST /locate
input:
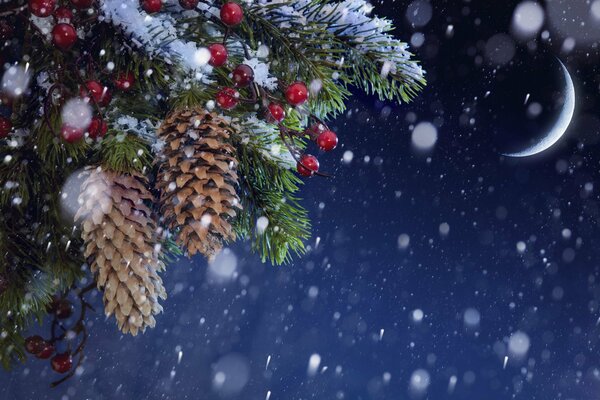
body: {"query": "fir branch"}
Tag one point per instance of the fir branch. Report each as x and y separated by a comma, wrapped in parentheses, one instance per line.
(123, 152)
(267, 190)
(12, 345)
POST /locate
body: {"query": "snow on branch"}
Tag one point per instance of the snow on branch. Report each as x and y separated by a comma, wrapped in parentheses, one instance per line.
(350, 20)
(157, 35)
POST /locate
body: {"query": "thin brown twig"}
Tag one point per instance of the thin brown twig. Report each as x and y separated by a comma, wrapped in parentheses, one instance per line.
(79, 328)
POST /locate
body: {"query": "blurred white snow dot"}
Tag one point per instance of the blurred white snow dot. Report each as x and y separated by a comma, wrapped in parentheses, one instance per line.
(558, 293)
(403, 241)
(224, 267)
(417, 39)
(595, 10)
(348, 156)
(315, 87)
(230, 374)
(417, 315)
(313, 364)
(69, 196)
(205, 220)
(568, 45)
(419, 13)
(15, 80)
(534, 110)
(386, 67)
(263, 51)
(568, 255)
(469, 378)
(201, 56)
(528, 19)
(518, 344)
(424, 136)
(521, 246)
(566, 233)
(471, 318)
(261, 224)
(387, 377)
(500, 49)
(77, 113)
(419, 381)
(444, 229)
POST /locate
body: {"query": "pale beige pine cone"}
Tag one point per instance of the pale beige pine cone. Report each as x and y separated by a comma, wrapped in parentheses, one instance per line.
(197, 180)
(120, 239)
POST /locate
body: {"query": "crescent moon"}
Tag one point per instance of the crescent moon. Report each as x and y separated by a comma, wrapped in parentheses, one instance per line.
(561, 125)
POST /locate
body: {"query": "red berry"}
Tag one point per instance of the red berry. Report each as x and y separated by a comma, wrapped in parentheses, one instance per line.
(81, 4)
(296, 93)
(242, 75)
(63, 14)
(71, 135)
(46, 352)
(151, 6)
(34, 344)
(64, 36)
(125, 81)
(42, 8)
(227, 98)
(218, 55)
(97, 92)
(5, 127)
(277, 112)
(327, 140)
(63, 308)
(307, 165)
(62, 362)
(97, 128)
(188, 4)
(314, 130)
(232, 14)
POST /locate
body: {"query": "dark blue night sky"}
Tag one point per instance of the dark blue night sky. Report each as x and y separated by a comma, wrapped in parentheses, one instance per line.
(451, 274)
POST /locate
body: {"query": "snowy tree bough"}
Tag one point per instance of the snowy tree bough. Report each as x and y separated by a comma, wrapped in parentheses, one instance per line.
(192, 115)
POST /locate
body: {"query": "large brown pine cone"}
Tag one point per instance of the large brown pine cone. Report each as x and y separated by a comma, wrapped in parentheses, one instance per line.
(121, 245)
(197, 180)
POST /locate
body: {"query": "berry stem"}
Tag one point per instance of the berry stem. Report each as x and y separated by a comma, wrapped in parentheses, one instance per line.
(294, 150)
(78, 328)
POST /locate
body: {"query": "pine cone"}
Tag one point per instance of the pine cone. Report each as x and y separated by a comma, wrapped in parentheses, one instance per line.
(198, 180)
(120, 238)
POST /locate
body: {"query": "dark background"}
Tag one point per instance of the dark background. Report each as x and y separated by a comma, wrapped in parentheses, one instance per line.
(356, 281)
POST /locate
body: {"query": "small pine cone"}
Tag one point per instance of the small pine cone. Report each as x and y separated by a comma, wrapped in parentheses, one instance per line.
(197, 180)
(120, 240)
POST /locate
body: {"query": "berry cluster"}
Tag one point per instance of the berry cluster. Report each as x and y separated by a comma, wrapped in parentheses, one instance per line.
(64, 34)
(99, 96)
(64, 37)
(295, 94)
(61, 310)
(44, 349)
(95, 94)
